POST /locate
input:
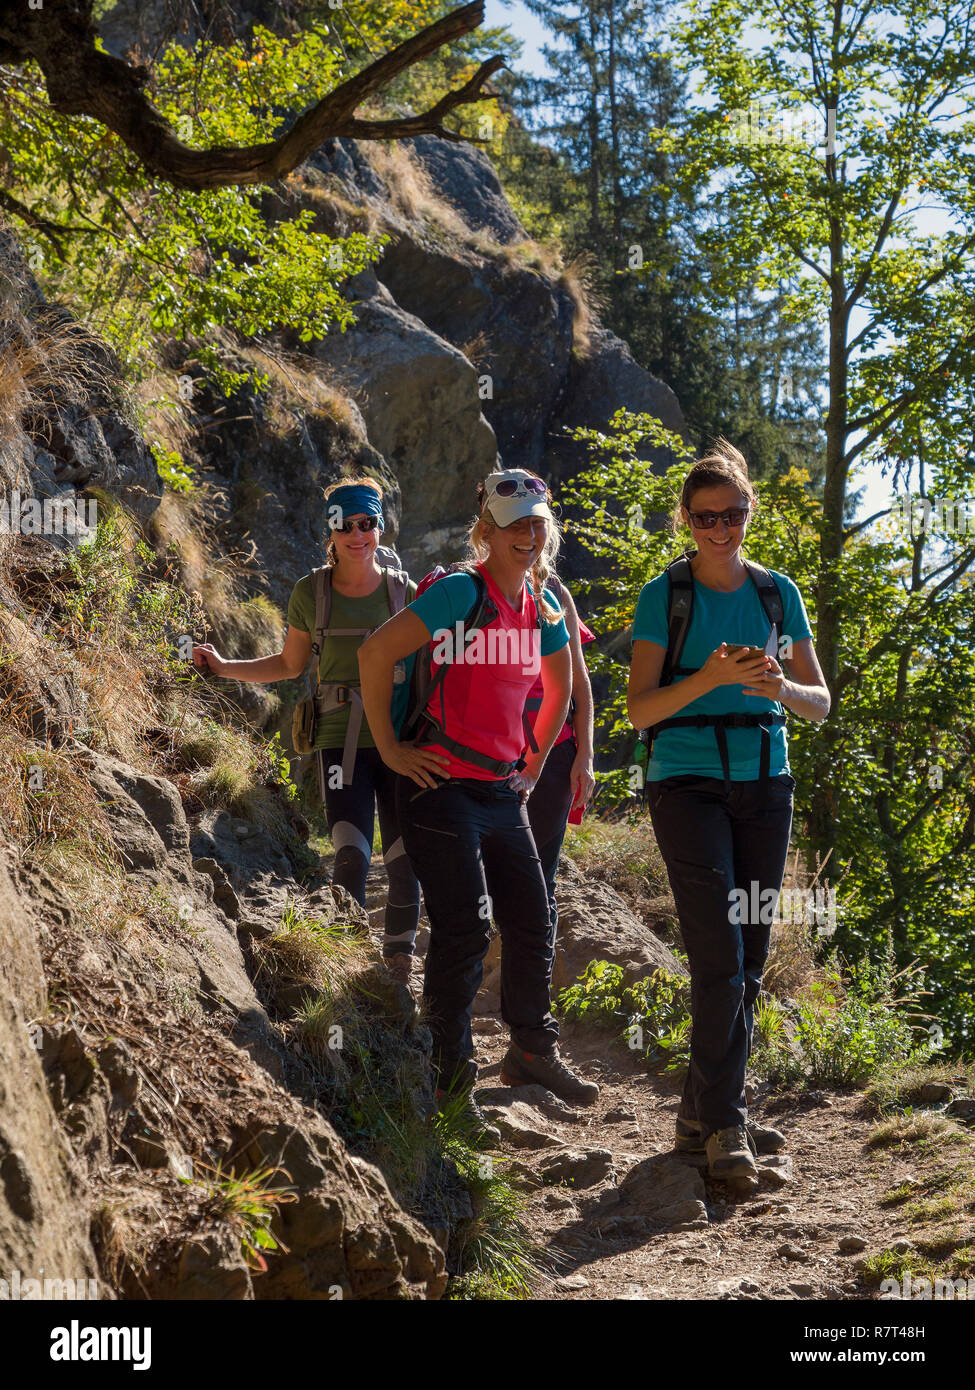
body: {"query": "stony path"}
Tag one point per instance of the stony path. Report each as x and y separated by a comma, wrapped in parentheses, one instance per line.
(631, 1220)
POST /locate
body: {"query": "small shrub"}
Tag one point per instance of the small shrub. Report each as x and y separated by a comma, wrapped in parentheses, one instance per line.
(651, 1016)
(841, 1031)
(249, 1202)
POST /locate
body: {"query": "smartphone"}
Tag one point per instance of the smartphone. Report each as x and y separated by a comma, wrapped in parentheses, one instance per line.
(735, 648)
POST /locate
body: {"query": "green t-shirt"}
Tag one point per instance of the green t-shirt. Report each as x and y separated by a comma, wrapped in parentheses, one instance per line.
(339, 660)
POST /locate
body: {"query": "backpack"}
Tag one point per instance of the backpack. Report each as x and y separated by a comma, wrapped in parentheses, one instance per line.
(680, 609)
(326, 696)
(428, 677)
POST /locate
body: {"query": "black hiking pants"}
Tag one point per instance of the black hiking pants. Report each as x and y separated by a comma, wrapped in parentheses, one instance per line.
(472, 850)
(712, 844)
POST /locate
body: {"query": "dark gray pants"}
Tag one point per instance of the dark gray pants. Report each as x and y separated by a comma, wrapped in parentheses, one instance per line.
(713, 843)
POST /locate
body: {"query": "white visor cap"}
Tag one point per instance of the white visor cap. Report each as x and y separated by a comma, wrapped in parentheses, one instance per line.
(521, 494)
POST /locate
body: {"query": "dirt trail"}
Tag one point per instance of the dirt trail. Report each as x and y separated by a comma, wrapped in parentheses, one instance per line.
(593, 1246)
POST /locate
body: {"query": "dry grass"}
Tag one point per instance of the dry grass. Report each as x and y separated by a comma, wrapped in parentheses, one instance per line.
(46, 360)
(411, 191)
(46, 801)
(901, 1087)
(578, 280)
(922, 1127)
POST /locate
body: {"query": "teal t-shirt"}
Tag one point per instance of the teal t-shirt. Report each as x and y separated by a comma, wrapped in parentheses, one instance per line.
(736, 617)
(451, 599)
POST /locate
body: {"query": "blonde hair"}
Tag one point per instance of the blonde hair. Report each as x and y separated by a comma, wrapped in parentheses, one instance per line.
(722, 466)
(331, 554)
(478, 549)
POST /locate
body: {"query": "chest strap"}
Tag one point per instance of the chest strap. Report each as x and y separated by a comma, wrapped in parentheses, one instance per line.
(720, 723)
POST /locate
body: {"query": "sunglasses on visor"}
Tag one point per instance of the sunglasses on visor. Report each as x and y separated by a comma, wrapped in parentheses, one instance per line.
(511, 485)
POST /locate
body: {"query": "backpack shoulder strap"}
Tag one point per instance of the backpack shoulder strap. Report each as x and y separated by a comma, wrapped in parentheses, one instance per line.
(769, 594)
(680, 607)
(321, 580)
(397, 582)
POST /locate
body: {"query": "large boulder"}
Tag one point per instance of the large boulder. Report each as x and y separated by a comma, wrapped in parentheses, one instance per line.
(595, 923)
(418, 397)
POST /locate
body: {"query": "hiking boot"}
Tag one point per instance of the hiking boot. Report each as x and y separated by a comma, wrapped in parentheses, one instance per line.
(467, 1116)
(730, 1154)
(400, 967)
(547, 1069)
(762, 1140)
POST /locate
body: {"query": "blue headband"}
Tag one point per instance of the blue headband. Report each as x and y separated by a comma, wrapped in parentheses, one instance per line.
(350, 500)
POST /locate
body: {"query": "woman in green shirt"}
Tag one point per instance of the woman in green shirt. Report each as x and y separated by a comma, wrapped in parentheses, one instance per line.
(360, 601)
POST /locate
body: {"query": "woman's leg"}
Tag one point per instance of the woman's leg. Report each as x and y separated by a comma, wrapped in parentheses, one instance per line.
(442, 829)
(693, 826)
(350, 812)
(403, 893)
(520, 907)
(762, 826)
(713, 845)
(548, 815)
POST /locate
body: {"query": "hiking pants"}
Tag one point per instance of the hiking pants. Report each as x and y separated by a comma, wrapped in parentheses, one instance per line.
(548, 814)
(713, 843)
(473, 852)
(349, 811)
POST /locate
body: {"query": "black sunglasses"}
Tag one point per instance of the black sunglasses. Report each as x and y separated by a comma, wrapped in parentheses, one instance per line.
(734, 516)
(509, 487)
(362, 523)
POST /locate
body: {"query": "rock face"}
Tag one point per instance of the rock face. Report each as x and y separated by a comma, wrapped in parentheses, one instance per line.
(168, 1065)
(463, 351)
(44, 1220)
(67, 428)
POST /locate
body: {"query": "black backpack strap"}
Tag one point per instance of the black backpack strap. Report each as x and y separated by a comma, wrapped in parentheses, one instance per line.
(768, 593)
(680, 608)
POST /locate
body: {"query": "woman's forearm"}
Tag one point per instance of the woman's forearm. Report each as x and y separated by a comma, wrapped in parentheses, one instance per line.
(653, 706)
(376, 688)
(808, 701)
(582, 720)
(550, 719)
(263, 670)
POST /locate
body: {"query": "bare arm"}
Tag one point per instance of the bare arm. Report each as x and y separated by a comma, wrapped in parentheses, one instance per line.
(289, 662)
(647, 702)
(378, 655)
(802, 689)
(556, 687)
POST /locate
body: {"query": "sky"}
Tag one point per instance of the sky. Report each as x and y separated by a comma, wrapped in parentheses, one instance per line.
(532, 32)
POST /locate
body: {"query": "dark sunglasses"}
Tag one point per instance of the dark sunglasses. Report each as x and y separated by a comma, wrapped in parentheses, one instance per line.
(362, 523)
(734, 516)
(509, 487)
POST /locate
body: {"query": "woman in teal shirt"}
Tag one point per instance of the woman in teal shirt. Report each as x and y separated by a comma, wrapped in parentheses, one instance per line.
(718, 782)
